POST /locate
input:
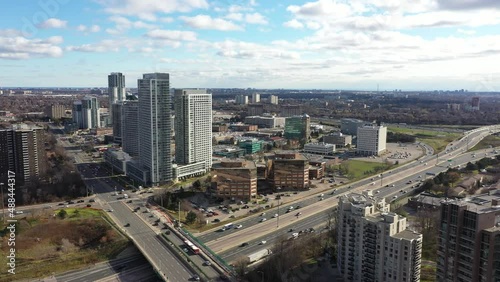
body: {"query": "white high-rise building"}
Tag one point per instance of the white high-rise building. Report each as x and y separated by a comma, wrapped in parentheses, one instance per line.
(255, 98)
(273, 100)
(241, 99)
(130, 129)
(116, 90)
(371, 140)
(90, 112)
(193, 128)
(154, 126)
(373, 243)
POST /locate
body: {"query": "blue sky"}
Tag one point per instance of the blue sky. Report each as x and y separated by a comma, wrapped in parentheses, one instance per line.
(327, 44)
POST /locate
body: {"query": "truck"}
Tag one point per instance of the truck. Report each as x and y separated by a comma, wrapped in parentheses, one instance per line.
(258, 255)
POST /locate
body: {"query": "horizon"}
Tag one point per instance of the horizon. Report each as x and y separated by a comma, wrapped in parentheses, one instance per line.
(322, 44)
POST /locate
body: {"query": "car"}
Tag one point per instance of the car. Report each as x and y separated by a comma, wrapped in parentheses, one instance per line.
(394, 197)
(263, 214)
(373, 183)
(262, 242)
(89, 205)
(299, 213)
(110, 210)
(80, 201)
(71, 202)
(275, 215)
(19, 212)
(295, 193)
(216, 220)
(185, 250)
(263, 219)
(155, 223)
(208, 263)
(60, 204)
(297, 207)
(196, 277)
(376, 192)
(321, 195)
(393, 185)
(290, 230)
(244, 244)
(91, 200)
(127, 225)
(238, 226)
(321, 199)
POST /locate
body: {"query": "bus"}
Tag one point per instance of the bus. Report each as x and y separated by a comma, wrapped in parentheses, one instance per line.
(191, 246)
(227, 226)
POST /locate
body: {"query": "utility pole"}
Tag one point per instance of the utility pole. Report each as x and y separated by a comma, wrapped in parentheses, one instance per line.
(381, 180)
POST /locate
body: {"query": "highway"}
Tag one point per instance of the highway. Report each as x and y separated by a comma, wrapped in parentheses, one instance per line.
(227, 243)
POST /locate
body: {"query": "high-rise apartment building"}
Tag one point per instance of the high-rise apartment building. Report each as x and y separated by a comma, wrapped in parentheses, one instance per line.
(154, 126)
(55, 111)
(90, 112)
(241, 99)
(77, 113)
(469, 239)
(22, 151)
(193, 127)
(291, 110)
(116, 111)
(130, 128)
(371, 140)
(116, 89)
(298, 128)
(255, 98)
(273, 100)
(373, 243)
(255, 109)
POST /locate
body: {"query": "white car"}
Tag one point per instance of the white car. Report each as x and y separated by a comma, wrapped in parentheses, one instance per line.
(263, 214)
(238, 226)
(262, 242)
(275, 215)
(263, 219)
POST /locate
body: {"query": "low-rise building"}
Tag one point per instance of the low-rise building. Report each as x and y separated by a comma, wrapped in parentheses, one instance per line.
(235, 179)
(290, 171)
(339, 139)
(319, 148)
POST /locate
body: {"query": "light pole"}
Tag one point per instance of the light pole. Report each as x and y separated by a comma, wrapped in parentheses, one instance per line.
(381, 179)
(278, 217)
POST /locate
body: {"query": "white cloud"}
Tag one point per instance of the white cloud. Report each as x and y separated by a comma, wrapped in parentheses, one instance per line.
(122, 24)
(93, 28)
(53, 23)
(148, 9)
(167, 20)
(294, 24)
(174, 35)
(329, 8)
(255, 18)
(466, 32)
(235, 16)
(17, 47)
(207, 22)
(248, 50)
(100, 47)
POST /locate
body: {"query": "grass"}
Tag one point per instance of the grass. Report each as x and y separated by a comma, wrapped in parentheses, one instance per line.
(361, 169)
(490, 140)
(428, 272)
(47, 245)
(436, 139)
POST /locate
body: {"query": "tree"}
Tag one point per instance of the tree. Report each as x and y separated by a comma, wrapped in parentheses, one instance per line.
(191, 217)
(62, 214)
(197, 184)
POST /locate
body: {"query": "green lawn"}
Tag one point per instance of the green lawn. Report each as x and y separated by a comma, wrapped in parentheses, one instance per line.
(361, 169)
(490, 140)
(436, 139)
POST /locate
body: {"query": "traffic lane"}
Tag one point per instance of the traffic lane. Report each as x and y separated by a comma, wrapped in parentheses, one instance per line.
(147, 239)
(260, 229)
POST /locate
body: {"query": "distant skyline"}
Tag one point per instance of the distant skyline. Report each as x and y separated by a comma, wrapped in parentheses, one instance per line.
(323, 44)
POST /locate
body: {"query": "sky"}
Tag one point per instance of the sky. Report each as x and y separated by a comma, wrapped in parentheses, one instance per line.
(323, 44)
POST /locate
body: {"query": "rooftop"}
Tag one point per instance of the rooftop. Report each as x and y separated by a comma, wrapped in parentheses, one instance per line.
(407, 235)
(485, 203)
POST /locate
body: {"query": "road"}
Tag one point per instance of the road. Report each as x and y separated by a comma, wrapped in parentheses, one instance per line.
(227, 243)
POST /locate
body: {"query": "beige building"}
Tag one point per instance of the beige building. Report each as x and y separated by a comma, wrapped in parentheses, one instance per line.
(289, 171)
(373, 243)
(469, 239)
(235, 179)
(55, 111)
(371, 140)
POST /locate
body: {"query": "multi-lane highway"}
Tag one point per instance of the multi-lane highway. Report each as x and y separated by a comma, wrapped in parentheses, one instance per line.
(228, 243)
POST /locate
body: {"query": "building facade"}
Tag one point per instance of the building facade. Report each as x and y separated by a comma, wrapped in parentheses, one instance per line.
(55, 111)
(371, 140)
(116, 90)
(340, 140)
(291, 110)
(373, 243)
(241, 99)
(90, 112)
(350, 126)
(235, 179)
(193, 128)
(255, 109)
(469, 239)
(22, 151)
(130, 128)
(117, 121)
(266, 121)
(319, 148)
(154, 127)
(255, 98)
(289, 171)
(273, 100)
(297, 128)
